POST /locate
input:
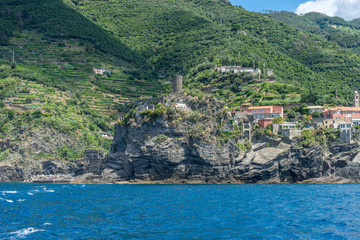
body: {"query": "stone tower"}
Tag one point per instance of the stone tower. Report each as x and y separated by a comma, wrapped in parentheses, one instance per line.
(177, 84)
(356, 99)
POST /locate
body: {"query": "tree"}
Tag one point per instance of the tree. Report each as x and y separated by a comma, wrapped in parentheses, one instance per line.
(278, 120)
(291, 113)
(316, 114)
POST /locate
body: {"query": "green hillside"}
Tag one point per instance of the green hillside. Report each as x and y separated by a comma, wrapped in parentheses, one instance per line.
(61, 47)
(50, 88)
(345, 33)
(49, 48)
(183, 36)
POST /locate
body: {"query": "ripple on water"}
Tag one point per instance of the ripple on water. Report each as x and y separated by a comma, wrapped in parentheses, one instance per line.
(180, 212)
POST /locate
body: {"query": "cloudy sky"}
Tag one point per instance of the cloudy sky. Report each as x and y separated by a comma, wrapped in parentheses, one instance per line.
(347, 9)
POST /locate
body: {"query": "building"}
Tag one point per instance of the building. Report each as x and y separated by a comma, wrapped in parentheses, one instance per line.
(289, 130)
(180, 106)
(356, 122)
(224, 69)
(263, 123)
(264, 112)
(345, 132)
(270, 72)
(246, 120)
(332, 123)
(100, 71)
(344, 113)
(313, 109)
(238, 69)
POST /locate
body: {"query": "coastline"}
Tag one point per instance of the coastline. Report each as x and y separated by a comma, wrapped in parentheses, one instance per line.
(189, 182)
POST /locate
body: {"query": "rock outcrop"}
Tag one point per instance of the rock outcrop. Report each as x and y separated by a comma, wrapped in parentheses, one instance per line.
(157, 151)
(187, 140)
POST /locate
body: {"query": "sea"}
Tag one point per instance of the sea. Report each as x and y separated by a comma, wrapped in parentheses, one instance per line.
(286, 211)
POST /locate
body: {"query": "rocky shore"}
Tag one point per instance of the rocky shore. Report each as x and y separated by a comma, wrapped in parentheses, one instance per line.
(159, 151)
(167, 145)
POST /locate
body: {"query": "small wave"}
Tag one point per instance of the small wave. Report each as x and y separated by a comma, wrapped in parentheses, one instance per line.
(30, 193)
(47, 224)
(9, 192)
(10, 201)
(46, 190)
(22, 233)
(21, 200)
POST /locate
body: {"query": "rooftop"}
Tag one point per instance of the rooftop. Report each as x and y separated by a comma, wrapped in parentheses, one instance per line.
(346, 109)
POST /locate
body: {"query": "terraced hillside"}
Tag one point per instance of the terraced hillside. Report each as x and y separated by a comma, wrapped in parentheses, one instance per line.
(49, 48)
(183, 36)
(60, 47)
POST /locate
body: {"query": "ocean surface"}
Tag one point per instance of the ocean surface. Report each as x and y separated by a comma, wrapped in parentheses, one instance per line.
(65, 211)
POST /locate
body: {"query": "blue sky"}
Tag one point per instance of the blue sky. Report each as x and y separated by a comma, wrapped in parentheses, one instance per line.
(347, 9)
(276, 5)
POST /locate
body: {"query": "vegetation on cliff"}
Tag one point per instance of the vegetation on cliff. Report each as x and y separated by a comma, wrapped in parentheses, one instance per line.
(48, 50)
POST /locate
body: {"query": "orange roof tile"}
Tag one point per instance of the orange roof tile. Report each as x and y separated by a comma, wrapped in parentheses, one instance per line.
(260, 107)
(346, 109)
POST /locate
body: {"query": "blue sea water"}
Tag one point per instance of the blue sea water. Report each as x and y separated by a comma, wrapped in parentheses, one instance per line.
(65, 211)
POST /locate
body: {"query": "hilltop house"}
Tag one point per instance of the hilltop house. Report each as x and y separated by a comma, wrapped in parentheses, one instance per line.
(238, 69)
(100, 71)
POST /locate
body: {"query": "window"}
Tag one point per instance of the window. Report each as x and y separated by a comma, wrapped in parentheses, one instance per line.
(254, 111)
(263, 111)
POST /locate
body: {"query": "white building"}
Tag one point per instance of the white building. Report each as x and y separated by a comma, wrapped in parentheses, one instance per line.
(316, 109)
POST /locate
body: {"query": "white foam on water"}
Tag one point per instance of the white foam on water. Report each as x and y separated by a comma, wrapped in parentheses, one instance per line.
(47, 224)
(30, 193)
(22, 233)
(10, 201)
(8, 192)
(46, 190)
(21, 200)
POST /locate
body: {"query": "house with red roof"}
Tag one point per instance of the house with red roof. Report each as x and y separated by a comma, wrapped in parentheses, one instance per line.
(346, 114)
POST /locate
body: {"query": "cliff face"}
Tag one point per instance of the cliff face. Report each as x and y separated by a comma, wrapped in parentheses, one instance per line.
(156, 150)
(187, 140)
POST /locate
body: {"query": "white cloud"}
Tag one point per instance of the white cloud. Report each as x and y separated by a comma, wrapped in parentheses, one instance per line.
(347, 9)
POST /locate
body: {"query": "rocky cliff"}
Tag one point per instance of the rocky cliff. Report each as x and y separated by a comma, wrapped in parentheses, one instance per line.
(176, 148)
(181, 139)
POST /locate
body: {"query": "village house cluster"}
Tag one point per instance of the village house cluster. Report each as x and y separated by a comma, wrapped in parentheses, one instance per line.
(343, 118)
